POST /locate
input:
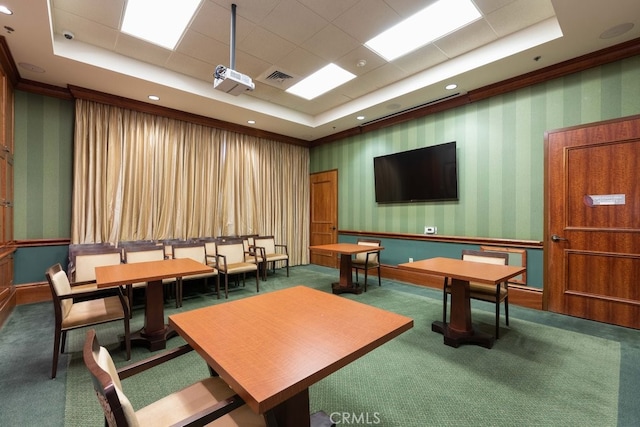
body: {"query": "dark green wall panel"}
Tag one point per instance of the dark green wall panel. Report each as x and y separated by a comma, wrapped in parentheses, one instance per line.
(43, 165)
(31, 263)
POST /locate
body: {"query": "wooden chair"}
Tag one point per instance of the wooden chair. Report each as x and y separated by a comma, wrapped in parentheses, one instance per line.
(168, 246)
(97, 306)
(209, 249)
(207, 402)
(142, 253)
(482, 291)
(271, 253)
(232, 259)
(252, 254)
(83, 260)
(197, 252)
(367, 260)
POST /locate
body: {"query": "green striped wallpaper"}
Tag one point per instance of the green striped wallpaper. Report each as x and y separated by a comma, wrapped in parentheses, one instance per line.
(43, 163)
(500, 156)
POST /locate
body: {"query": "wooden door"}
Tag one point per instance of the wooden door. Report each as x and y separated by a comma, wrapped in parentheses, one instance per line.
(592, 222)
(324, 215)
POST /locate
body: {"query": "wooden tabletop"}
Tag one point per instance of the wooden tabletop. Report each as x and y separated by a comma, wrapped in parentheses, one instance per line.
(464, 270)
(149, 271)
(272, 346)
(346, 248)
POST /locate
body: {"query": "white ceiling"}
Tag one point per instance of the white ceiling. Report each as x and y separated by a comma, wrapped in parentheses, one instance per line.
(298, 37)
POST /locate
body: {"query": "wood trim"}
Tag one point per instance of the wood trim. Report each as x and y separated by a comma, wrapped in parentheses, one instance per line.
(7, 63)
(512, 243)
(41, 242)
(44, 89)
(7, 305)
(32, 292)
(518, 295)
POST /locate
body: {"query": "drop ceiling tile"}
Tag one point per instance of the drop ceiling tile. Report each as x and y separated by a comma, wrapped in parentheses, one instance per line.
(266, 45)
(293, 21)
(375, 79)
(252, 10)
(139, 49)
(214, 21)
(367, 19)
(205, 49)
(327, 9)
(472, 36)
(423, 58)
(518, 15)
(330, 43)
(302, 63)
(488, 6)
(190, 66)
(249, 65)
(85, 30)
(350, 60)
(406, 8)
(107, 13)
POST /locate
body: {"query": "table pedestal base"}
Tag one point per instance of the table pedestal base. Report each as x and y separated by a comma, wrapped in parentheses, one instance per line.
(454, 339)
(337, 288)
(154, 342)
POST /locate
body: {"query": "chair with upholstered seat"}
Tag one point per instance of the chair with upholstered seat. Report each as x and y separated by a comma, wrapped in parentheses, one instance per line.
(271, 253)
(142, 253)
(232, 259)
(209, 249)
(79, 309)
(83, 260)
(367, 260)
(197, 252)
(207, 402)
(495, 294)
(251, 252)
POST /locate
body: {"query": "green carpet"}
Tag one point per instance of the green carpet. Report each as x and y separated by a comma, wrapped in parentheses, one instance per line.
(534, 375)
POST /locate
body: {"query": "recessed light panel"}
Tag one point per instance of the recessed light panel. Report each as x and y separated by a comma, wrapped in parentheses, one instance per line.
(323, 80)
(160, 22)
(431, 23)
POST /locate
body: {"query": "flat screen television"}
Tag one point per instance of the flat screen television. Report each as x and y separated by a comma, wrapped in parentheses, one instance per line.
(423, 174)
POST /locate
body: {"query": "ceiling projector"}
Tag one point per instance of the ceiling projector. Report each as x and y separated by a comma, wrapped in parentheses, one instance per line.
(231, 81)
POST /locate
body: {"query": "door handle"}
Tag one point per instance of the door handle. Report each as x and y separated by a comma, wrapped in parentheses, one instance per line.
(557, 238)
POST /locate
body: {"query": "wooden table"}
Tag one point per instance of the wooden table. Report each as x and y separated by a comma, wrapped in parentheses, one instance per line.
(272, 347)
(346, 251)
(460, 330)
(155, 332)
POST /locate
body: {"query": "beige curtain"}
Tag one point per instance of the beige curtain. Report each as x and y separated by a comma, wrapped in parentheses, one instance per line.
(138, 176)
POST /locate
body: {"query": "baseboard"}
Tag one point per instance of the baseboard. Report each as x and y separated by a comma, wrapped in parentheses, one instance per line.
(7, 305)
(29, 293)
(520, 296)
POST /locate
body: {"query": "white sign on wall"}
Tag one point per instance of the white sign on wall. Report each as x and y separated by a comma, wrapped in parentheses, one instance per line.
(604, 199)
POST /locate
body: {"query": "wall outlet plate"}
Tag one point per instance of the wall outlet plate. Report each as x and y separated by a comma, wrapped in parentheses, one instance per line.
(430, 230)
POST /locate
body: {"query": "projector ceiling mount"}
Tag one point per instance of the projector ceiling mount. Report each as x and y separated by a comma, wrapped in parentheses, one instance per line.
(227, 79)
